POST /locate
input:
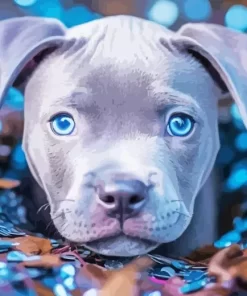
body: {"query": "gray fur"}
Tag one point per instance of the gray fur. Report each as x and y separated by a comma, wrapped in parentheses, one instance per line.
(121, 78)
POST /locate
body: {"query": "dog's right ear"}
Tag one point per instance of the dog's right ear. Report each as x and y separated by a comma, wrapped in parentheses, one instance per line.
(23, 41)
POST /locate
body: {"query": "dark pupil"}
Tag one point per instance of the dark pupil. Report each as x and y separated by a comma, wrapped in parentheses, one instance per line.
(63, 123)
(180, 123)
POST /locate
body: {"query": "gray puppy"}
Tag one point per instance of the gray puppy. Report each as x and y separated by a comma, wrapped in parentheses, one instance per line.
(121, 126)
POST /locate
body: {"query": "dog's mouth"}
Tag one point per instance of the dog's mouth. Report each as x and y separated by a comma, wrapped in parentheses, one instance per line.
(121, 245)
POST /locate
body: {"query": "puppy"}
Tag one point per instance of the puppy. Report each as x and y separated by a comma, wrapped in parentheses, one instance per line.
(121, 126)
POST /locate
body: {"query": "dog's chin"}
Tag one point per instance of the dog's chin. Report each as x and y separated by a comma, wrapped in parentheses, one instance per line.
(121, 246)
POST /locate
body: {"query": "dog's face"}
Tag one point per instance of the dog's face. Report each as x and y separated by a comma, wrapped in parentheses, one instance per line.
(124, 138)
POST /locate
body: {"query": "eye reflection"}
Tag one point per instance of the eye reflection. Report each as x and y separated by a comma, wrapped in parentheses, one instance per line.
(62, 124)
(180, 125)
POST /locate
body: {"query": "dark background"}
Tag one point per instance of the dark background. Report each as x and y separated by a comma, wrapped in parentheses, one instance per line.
(231, 165)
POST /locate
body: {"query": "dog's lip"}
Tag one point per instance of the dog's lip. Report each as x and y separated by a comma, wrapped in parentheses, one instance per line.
(116, 236)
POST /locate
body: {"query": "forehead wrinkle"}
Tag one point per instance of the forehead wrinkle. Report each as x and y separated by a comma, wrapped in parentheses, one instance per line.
(165, 95)
(74, 99)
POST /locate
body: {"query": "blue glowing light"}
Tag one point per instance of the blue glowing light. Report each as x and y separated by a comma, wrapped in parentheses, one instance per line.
(236, 17)
(235, 112)
(49, 8)
(156, 293)
(237, 120)
(59, 290)
(14, 99)
(25, 3)
(197, 10)
(241, 141)
(18, 159)
(78, 15)
(232, 237)
(237, 179)
(164, 12)
(45, 8)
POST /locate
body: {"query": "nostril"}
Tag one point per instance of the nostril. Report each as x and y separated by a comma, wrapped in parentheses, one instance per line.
(108, 199)
(134, 199)
(125, 197)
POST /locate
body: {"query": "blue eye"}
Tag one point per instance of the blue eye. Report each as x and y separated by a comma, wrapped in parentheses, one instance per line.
(62, 124)
(180, 125)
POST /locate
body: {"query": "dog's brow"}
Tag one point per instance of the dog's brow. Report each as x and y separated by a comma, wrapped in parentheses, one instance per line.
(166, 97)
(72, 99)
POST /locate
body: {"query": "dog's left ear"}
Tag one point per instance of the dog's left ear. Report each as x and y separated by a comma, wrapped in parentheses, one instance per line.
(225, 50)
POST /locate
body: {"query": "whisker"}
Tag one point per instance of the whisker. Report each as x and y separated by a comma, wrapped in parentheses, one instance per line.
(58, 216)
(65, 226)
(56, 232)
(47, 205)
(52, 232)
(190, 216)
(44, 206)
(48, 225)
(174, 200)
(62, 213)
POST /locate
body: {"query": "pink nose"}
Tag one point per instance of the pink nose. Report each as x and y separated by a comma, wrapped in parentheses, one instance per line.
(123, 199)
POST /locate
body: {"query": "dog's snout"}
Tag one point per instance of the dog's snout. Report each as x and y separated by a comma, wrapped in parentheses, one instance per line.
(123, 198)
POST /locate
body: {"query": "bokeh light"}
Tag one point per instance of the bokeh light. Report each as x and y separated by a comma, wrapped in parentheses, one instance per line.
(237, 179)
(238, 176)
(236, 18)
(51, 8)
(18, 159)
(164, 12)
(241, 141)
(236, 117)
(47, 8)
(197, 10)
(25, 3)
(235, 112)
(156, 293)
(14, 99)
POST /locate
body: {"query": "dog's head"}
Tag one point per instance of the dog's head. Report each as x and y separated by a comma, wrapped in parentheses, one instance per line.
(121, 121)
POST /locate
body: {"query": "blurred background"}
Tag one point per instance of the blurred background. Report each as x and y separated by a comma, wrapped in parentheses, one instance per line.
(231, 166)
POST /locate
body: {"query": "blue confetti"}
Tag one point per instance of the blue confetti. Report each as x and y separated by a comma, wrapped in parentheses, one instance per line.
(193, 287)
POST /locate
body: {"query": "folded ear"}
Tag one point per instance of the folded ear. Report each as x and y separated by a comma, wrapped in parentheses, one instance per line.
(23, 43)
(225, 50)
(21, 40)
